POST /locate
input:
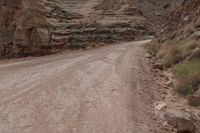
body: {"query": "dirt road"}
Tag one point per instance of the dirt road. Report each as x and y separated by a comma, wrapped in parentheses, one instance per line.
(104, 90)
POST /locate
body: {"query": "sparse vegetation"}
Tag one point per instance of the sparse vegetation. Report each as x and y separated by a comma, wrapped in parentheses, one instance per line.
(183, 58)
(188, 77)
(153, 48)
(171, 55)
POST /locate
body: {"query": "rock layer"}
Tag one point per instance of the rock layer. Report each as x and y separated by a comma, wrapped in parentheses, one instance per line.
(25, 29)
(37, 27)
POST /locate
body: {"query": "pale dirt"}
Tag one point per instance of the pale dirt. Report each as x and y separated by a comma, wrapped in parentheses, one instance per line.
(104, 90)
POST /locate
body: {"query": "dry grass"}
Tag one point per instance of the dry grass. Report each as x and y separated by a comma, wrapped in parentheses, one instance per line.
(171, 55)
(178, 54)
(188, 77)
(172, 52)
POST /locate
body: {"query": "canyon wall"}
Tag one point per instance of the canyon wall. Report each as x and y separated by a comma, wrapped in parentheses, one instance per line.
(39, 27)
(24, 27)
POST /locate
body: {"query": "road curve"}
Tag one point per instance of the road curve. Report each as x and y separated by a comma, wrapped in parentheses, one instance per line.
(102, 90)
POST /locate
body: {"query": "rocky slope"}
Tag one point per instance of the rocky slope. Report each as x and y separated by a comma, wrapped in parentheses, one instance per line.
(179, 41)
(177, 47)
(37, 27)
(181, 29)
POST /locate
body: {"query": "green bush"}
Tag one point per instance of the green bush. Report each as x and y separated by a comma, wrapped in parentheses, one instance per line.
(188, 76)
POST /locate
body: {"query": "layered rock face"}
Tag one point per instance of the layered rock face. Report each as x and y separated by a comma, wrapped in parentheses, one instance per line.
(24, 27)
(81, 24)
(37, 27)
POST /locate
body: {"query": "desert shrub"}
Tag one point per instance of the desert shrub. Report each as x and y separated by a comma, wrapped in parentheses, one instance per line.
(188, 77)
(172, 55)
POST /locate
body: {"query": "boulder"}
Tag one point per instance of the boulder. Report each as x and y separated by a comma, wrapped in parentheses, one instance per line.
(180, 120)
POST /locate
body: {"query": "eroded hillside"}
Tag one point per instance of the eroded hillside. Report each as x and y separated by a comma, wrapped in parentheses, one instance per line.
(37, 27)
(177, 48)
(178, 43)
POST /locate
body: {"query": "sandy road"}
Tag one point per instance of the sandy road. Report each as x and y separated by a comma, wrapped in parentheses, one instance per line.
(104, 90)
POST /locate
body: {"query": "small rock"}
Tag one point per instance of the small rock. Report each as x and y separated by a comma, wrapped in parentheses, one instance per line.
(168, 83)
(180, 120)
(158, 14)
(158, 66)
(161, 106)
(148, 56)
(88, 47)
(74, 130)
(186, 18)
(173, 100)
